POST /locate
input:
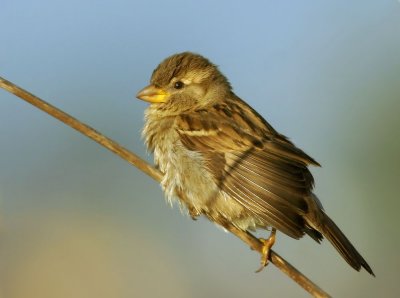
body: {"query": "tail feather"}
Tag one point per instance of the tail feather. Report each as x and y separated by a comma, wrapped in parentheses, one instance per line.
(343, 245)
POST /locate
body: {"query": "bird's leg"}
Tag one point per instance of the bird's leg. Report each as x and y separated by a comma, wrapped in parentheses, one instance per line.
(267, 244)
(193, 212)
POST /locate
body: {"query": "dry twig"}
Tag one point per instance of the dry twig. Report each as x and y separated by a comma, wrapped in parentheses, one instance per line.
(142, 165)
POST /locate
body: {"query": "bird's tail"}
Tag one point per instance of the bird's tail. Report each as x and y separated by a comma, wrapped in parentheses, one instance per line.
(331, 231)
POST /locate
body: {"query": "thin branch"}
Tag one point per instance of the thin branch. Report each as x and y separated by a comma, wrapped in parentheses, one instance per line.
(142, 165)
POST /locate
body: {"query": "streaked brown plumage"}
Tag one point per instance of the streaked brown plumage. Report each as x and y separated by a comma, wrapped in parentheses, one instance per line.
(226, 162)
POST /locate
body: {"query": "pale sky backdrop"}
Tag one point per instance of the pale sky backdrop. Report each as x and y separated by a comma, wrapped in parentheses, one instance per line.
(77, 221)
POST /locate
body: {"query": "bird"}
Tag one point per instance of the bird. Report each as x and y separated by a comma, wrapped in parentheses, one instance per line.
(221, 159)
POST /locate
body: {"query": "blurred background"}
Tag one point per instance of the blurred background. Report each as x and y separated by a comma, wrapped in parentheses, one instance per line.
(77, 221)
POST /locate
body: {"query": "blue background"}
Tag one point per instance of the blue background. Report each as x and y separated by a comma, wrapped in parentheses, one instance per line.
(77, 221)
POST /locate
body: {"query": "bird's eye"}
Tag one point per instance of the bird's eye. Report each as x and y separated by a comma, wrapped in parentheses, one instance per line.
(178, 85)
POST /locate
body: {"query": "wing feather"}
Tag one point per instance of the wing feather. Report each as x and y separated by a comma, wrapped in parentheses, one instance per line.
(251, 162)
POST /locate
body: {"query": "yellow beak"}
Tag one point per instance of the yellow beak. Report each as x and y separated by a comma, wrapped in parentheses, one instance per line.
(152, 94)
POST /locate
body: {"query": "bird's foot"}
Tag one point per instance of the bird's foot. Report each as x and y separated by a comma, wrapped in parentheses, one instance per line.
(194, 213)
(266, 249)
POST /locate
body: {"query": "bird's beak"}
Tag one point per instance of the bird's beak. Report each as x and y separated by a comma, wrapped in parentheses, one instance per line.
(153, 94)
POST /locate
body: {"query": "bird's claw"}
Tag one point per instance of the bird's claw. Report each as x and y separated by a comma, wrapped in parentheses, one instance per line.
(194, 213)
(266, 249)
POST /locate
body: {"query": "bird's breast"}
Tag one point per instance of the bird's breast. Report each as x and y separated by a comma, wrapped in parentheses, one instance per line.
(186, 174)
(184, 170)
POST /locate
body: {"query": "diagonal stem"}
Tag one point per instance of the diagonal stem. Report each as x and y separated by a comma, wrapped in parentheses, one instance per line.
(253, 242)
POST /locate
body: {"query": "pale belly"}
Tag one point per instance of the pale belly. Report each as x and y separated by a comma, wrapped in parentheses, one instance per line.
(187, 182)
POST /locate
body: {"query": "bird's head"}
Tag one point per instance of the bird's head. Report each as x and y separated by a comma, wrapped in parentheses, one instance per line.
(185, 81)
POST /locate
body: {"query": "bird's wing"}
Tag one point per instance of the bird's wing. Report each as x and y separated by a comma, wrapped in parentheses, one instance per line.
(251, 162)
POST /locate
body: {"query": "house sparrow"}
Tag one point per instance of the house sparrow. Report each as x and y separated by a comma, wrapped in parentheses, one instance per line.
(220, 158)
